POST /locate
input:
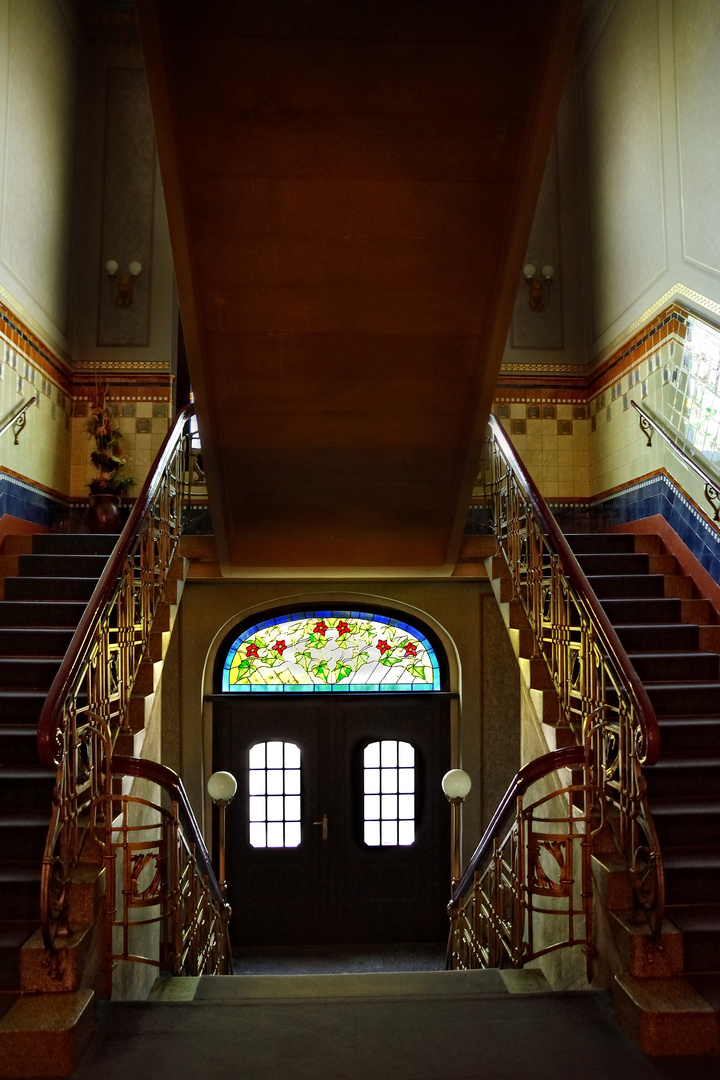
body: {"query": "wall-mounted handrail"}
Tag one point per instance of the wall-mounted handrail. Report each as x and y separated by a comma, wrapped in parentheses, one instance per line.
(648, 424)
(103, 593)
(645, 711)
(568, 757)
(18, 419)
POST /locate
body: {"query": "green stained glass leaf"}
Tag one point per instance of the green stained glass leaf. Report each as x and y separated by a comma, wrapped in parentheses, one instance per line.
(417, 671)
(362, 658)
(243, 669)
(342, 671)
(321, 670)
(389, 660)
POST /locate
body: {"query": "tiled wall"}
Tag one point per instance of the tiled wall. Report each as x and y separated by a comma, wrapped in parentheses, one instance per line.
(143, 408)
(590, 448)
(549, 430)
(50, 463)
(42, 453)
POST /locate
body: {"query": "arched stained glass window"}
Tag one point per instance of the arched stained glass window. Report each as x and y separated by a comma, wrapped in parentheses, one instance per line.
(330, 651)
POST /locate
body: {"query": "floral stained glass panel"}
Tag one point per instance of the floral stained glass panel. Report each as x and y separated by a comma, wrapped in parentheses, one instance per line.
(330, 651)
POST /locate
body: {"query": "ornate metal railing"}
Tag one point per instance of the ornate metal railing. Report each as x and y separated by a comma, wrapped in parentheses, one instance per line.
(533, 860)
(601, 698)
(648, 424)
(164, 906)
(88, 703)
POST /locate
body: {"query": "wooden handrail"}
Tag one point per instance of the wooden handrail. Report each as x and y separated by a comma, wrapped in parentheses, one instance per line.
(164, 777)
(608, 637)
(568, 757)
(50, 716)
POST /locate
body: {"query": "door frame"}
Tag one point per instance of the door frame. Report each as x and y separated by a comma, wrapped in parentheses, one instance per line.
(326, 599)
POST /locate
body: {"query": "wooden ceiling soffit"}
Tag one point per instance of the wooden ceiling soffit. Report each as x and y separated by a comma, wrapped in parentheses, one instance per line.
(349, 188)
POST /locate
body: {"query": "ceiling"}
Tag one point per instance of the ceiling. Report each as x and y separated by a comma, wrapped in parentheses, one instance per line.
(349, 187)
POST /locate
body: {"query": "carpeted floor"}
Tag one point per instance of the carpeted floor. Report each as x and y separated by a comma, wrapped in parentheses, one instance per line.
(372, 1026)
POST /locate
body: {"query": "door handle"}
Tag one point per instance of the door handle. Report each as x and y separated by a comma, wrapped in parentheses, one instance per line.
(324, 822)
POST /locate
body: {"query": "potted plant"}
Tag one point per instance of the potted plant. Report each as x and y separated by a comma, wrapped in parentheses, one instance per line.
(107, 487)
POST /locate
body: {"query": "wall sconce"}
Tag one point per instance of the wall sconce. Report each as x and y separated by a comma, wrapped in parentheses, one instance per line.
(539, 286)
(123, 286)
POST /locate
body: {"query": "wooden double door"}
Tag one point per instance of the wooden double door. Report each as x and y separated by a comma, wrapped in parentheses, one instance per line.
(326, 879)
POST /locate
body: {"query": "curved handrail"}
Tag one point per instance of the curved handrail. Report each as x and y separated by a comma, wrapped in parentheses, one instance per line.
(22, 408)
(167, 778)
(646, 419)
(568, 757)
(72, 662)
(611, 642)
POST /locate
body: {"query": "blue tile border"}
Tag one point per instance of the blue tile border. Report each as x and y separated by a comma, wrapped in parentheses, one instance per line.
(659, 495)
(23, 500)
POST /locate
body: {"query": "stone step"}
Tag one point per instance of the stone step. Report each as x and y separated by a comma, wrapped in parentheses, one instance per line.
(666, 1016)
(366, 985)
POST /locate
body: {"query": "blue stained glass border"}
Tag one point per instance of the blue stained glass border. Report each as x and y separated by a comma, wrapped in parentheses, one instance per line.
(343, 688)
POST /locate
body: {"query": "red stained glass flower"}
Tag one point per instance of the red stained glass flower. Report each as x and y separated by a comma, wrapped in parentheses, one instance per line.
(320, 627)
(342, 628)
(410, 649)
(251, 649)
(280, 646)
(383, 647)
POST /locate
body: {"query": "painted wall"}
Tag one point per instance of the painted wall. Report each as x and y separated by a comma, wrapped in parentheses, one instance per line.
(40, 78)
(123, 216)
(628, 213)
(484, 672)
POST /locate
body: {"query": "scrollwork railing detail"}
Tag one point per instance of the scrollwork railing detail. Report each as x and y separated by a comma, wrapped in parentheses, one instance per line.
(526, 891)
(165, 905)
(88, 703)
(602, 700)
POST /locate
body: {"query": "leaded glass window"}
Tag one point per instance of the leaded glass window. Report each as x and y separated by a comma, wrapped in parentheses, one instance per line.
(330, 651)
(274, 795)
(389, 794)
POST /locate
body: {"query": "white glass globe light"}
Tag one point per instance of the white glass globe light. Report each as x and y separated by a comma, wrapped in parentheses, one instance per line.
(456, 784)
(221, 786)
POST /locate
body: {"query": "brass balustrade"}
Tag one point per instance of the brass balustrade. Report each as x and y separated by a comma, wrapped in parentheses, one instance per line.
(88, 703)
(533, 860)
(159, 876)
(602, 700)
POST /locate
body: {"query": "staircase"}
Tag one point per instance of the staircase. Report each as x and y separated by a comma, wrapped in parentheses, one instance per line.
(673, 641)
(49, 580)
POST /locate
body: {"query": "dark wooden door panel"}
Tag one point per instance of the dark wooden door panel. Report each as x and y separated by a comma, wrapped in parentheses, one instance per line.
(338, 889)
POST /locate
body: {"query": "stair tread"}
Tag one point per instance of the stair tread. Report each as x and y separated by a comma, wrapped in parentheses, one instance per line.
(16, 872)
(685, 858)
(24, 818)
(26, 772)
(694, 917)
(686, 759)
(679, 805)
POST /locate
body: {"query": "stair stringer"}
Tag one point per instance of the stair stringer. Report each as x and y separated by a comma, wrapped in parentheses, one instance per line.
(659, 1008)
(45, 1032)
(540, 733)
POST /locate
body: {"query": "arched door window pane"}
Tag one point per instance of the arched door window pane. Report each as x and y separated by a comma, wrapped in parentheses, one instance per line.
(274, 795)
(330, 651)
(389, 794)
